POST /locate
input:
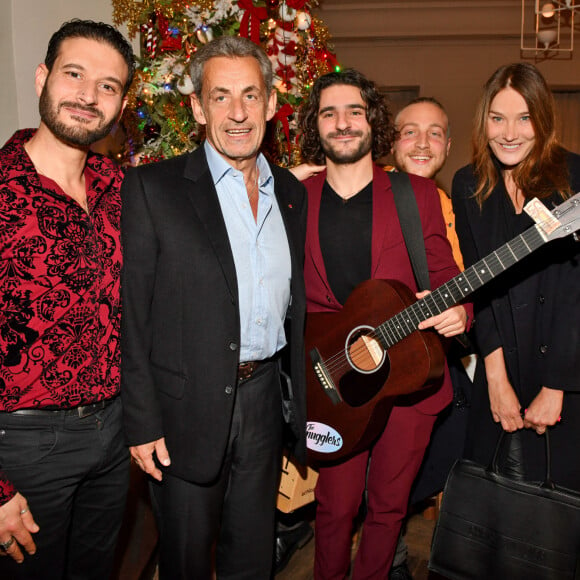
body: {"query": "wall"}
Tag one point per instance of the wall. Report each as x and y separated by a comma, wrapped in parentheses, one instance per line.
(448, 48)
(8, 101)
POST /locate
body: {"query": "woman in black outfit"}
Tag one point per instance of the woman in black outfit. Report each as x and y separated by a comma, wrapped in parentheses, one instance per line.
(527, 320)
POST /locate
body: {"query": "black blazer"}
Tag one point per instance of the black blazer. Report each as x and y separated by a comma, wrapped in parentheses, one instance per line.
(180, 324)
(547, 282)
(533, 312)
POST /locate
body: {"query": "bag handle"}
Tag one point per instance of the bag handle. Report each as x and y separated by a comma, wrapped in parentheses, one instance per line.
(494, 466)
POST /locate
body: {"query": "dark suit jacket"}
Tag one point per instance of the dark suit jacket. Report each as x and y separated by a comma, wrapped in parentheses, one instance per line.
(547, 281)
(390, 259)
(180, 326)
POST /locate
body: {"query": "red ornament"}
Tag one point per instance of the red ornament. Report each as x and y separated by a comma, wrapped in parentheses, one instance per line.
(168, 41)
(296, 4)
(148, 31)
(250, 24)
(282, 115)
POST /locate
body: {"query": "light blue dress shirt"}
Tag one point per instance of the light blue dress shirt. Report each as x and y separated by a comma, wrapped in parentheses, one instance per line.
(261, 256)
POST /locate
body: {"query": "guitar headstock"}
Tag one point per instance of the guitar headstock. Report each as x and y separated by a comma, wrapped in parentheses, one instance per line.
(567, 219)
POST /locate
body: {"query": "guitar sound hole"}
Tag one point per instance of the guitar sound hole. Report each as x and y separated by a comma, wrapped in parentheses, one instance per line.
(365, 353)
(370, 368)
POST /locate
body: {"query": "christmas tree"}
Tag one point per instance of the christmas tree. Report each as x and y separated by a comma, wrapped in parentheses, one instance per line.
(158, 121)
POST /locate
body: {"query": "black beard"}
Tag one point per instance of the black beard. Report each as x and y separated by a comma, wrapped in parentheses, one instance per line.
(337, 158)
(77, 136)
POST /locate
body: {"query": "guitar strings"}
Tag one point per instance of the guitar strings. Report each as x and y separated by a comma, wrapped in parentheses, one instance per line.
(415, 313)
(340, 360)
(506, 254)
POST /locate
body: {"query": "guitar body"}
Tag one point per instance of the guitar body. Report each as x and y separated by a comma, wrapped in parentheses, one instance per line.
(366, 378)
(357, 364)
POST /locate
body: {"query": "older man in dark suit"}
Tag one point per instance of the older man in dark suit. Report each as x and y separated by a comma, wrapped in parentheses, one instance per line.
(212, 293)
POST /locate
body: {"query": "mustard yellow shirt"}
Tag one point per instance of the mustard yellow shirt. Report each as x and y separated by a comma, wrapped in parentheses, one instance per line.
(449, 217)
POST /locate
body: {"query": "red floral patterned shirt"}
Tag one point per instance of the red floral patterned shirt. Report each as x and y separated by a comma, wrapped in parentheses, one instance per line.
(59, 287)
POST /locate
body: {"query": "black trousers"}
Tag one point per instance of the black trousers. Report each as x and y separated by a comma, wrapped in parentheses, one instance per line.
(74, 474)
(230, 522)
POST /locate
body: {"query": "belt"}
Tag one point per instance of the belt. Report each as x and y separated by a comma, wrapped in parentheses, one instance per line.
(80, 411)
(247, 369)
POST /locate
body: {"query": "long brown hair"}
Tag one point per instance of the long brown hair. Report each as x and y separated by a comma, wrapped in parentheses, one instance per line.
(544, 170)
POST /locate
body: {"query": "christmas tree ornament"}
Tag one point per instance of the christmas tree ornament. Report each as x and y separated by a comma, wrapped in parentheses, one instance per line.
(303, 20)
(287, 13)
(250, 24)
(204, 34)
(150, 36)
(158, 120)
(286, 59)
(185, 85)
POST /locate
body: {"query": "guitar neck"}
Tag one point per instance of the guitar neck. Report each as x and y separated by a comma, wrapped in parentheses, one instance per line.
(452, 292)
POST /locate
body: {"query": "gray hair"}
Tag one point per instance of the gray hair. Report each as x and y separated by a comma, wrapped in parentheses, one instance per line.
(230, 47)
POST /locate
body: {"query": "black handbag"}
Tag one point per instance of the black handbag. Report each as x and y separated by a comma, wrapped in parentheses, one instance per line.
(492, 527)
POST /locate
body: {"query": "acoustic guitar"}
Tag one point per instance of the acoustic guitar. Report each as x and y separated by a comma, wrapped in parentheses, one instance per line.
(361, 358)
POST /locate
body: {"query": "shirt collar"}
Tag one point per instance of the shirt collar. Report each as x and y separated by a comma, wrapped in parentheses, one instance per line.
(100, 172)
(219, 167)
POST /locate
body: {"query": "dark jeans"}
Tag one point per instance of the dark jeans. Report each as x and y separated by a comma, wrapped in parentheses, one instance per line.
(233, 515)
(74, 474)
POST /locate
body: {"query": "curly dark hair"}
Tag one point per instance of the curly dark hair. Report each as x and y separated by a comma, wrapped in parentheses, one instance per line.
(377, 111)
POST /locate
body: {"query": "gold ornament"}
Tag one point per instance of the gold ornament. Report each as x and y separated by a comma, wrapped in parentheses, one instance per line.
(203, 5)
(320, 34)
(128, 12)
(171, 115)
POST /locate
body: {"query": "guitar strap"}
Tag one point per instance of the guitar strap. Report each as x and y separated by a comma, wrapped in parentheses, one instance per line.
(411, 225)
(410, 221)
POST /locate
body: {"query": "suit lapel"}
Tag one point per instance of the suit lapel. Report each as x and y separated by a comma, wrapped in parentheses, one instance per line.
(287, 210)
(315, 185)
(203, 196)
(382, 214)
(290, 208)
(383, 207)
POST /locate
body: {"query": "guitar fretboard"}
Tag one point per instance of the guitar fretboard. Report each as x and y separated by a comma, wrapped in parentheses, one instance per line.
(452, 292)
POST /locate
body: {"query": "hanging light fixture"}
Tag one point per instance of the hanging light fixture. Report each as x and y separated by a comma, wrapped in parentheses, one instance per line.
(553, 31)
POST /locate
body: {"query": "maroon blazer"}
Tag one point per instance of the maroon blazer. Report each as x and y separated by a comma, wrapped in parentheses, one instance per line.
(390, 259)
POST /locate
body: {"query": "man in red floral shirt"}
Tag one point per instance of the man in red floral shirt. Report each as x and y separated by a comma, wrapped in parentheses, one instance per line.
(63, 462)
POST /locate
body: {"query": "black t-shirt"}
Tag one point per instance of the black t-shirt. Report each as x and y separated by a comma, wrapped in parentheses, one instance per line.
(345, 228)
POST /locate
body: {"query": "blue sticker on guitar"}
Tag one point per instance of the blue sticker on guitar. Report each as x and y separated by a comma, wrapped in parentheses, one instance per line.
(322, 438)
